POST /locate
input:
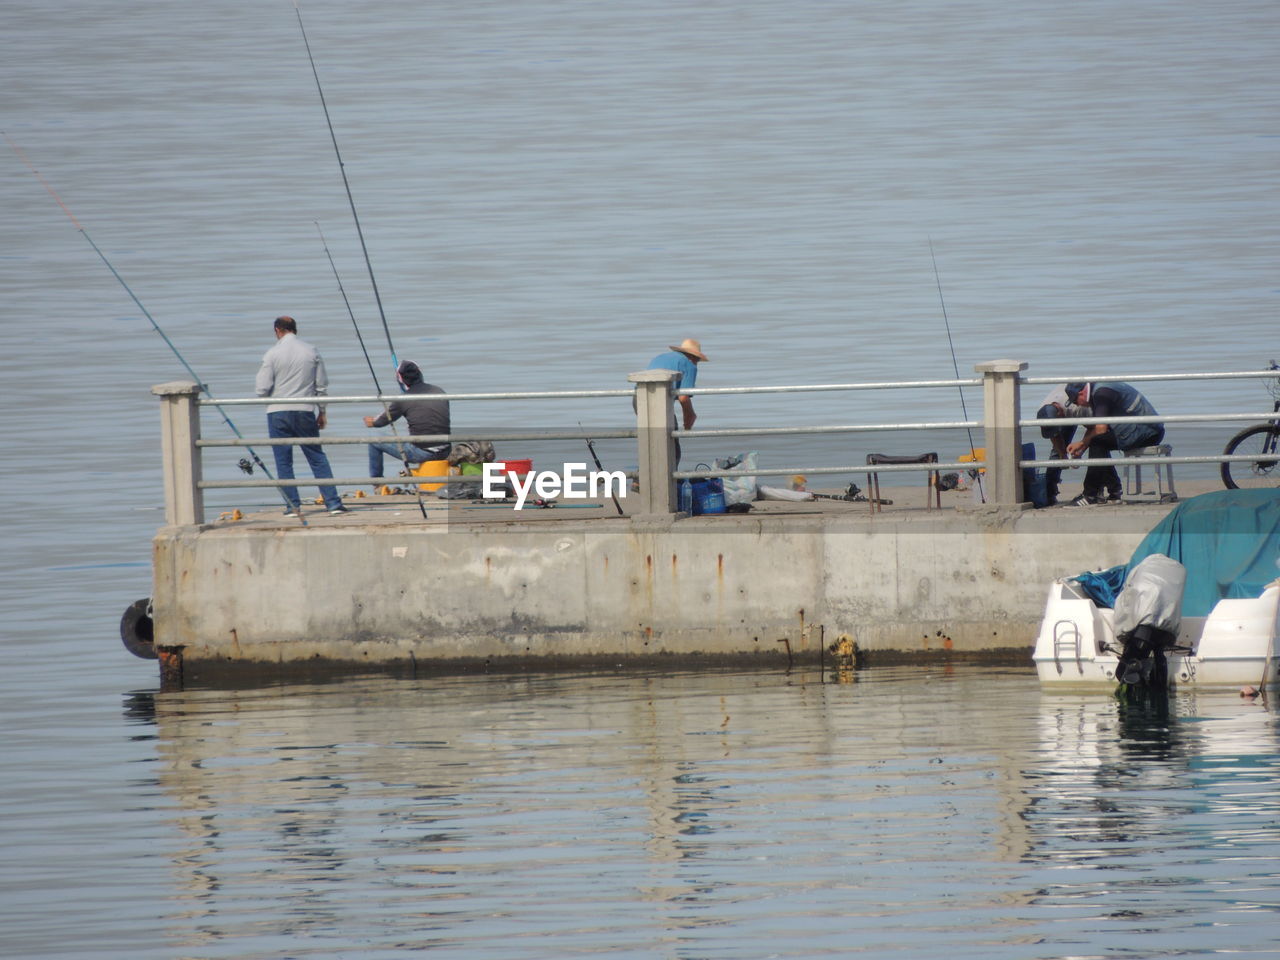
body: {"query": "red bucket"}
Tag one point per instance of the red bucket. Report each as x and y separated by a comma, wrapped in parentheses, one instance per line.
(518, 467)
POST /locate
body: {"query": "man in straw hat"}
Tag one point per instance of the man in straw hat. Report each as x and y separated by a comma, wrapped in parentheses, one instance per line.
(684, 360)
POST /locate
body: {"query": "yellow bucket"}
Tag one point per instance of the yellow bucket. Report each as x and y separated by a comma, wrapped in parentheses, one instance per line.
(431, 468)
(979, 455)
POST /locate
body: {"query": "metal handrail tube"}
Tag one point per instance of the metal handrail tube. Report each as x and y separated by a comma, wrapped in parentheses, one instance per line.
(310, 481)
(760, 471)
(419, 439)
(1151, 377)
(825, 387)
(413, 397)
(834, 428)
(1172, 418)
(590, 394)
(629, 434)
(818, 471)
(1148, 461)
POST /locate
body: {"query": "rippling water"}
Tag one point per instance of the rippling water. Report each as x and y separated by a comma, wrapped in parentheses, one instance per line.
(552, 191)
(893, 812)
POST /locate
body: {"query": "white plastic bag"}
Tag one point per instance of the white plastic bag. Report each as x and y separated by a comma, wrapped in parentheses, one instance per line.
(782, 493)
(739, 489)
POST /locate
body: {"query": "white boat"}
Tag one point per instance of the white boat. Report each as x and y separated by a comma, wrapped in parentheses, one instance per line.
(1238, 643)
(1200, 599)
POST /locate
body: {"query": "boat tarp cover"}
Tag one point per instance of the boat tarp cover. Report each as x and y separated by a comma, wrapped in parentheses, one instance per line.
(1229, 541)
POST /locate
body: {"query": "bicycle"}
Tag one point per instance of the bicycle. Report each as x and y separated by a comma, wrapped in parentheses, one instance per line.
(1262, 440)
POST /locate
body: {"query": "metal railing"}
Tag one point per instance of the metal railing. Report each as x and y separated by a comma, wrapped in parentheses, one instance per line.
(1001, 424)
(1262, 417)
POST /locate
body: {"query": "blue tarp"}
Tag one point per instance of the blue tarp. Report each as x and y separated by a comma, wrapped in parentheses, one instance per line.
(1104, 586)
(1229, 541)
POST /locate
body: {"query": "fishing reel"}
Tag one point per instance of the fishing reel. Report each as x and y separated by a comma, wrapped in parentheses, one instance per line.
(244, 465)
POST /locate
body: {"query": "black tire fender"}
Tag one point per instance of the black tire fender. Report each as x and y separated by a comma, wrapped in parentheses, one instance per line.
(137, 631)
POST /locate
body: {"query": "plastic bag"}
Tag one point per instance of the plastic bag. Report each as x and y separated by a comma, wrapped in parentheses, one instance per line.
(739, 489)
(461, 491)
(782, 493)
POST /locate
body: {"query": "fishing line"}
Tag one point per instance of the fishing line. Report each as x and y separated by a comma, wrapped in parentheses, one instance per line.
(404, 451)
(395, 363)
(956, 367)
(147, 313)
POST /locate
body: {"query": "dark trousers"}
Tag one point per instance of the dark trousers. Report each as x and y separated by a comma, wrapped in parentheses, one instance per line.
(1053, 475)
(1100, 480)
(300, 423)
(675, 425)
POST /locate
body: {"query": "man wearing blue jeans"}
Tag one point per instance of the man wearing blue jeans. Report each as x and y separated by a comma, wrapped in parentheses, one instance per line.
(425, 417)
(293, 369)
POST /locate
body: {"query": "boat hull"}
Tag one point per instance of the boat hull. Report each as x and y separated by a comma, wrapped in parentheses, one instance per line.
(1238, 644)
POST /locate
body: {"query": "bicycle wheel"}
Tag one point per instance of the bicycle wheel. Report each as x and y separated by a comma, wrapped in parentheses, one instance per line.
(1261, 441)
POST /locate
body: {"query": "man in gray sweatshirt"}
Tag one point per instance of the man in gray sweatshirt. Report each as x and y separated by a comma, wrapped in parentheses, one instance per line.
(292, 370)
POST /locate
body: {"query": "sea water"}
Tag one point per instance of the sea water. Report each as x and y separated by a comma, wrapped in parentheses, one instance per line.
(550, 194)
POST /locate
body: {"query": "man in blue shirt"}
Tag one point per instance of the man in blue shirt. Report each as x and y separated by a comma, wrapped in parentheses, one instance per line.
(684, 360)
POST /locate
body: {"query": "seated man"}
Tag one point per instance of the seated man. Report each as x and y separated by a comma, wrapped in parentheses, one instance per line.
(1106, 400)
(1056, 404)
(424, 417)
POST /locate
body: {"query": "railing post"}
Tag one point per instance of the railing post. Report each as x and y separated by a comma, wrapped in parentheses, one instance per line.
(1001, 407)
(180, 429)
(657, 447)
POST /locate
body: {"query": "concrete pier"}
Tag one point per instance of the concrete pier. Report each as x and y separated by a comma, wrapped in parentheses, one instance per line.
(484, 585)
(381, 587)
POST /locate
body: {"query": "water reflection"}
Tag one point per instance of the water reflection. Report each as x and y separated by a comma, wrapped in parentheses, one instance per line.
(690, 815)
(1161, 814)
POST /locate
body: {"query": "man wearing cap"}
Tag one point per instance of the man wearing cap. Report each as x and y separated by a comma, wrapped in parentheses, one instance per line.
(1057, 405)
(293, 372)
(1107, 400)
(684, 360)
(426, 418)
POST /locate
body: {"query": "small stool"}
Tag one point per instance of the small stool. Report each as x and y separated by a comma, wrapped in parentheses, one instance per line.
(1134, 488)
(931, 478)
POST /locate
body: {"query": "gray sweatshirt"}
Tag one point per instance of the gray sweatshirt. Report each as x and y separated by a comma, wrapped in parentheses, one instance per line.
(292, 368)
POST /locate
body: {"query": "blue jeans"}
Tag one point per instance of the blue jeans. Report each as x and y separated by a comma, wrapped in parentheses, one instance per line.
(415, 453)
(300, 423)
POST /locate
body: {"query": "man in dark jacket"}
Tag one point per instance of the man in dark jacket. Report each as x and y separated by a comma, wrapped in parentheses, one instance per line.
(1107, 400)
(424, 417)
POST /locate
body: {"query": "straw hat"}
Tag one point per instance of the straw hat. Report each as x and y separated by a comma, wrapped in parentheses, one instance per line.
(692, 347)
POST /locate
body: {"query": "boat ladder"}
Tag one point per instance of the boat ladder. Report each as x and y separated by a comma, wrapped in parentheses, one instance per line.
(1066, 639)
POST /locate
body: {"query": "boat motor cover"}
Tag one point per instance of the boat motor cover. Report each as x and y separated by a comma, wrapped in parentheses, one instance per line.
(1152, 596)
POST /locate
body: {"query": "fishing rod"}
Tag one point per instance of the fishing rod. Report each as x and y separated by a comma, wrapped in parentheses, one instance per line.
(395, 363)
(592, 447)
(973, 452)
(156, 326)
(404, 449)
